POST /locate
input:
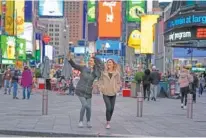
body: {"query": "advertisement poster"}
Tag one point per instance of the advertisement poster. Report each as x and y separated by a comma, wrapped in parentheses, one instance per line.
(91, 16)
(19, 17)
(9, 20)
(109, 19)
(134, 10)
(92, 32)
(51, 8)
(147, 22)
(8, 47)
(28, 36)
(21, 49)
(28, 11)
(108, 45)
(49, 51)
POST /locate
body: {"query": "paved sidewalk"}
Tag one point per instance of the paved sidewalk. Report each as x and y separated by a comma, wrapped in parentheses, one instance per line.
(161, 118)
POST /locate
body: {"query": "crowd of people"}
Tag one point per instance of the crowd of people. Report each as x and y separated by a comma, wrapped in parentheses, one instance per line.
(108, 80)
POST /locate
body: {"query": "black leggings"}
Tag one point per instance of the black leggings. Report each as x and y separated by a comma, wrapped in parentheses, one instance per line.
(109, 102)
(146, 89)
(184, 91)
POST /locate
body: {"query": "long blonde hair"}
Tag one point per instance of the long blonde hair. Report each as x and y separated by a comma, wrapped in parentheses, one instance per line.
(115, 68)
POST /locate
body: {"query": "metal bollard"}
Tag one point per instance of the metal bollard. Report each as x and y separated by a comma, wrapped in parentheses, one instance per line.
(189, 106)
(45, 102)
(140, 103)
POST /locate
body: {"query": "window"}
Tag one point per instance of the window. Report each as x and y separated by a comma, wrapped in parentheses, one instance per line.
(56, 30)
(51, 25)
(56, 39)
(56, 25)
(51, 30)
(56, 34)
(56, 43)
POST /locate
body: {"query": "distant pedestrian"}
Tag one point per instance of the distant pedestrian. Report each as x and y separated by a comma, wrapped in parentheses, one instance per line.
(146, 84)
(155, 79)
(194, 86)
(85, 85)
(15, 79)
(7, 81)
(26, 82)
(184, 80)
(109, 84)
(201, 85)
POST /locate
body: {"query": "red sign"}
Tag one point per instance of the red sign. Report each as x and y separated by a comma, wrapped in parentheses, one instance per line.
(46, 39)
(201, 33)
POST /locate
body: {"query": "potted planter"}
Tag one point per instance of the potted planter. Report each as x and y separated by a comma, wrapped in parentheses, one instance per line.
(135, 86)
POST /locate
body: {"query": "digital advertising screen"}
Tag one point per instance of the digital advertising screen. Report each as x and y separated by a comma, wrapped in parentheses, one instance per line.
(109, 19)
(49, 51)
(51, 8)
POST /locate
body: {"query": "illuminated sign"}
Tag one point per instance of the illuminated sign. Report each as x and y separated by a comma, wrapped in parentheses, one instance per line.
(197, 19)
(185, 34)
(179, 36)
(201, 33)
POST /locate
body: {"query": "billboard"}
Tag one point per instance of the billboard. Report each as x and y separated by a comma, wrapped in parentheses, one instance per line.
(104, 58)
(134, 9)
(51, 8)
(21, 49)
(9, 20)
(19, 18)
(8, 47)
(147, 22)
(108, 44)
(187, 20)
(92, 32)
(28, 11)
(109, 19)
(28, 36)
(49, 51)
(14, 24)
(91, 10)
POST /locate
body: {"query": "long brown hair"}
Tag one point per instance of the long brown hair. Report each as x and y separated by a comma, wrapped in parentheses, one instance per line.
(114, 63)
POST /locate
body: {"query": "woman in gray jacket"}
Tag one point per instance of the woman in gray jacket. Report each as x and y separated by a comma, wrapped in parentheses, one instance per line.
(85, 85)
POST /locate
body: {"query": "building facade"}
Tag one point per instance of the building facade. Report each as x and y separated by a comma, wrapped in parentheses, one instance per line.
(58, 32)
(73, 12)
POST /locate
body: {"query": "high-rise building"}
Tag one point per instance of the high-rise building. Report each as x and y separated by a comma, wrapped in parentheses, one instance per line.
(58, 32)
(73, 11)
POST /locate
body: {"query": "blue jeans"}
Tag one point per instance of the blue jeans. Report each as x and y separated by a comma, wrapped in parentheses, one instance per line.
(86, 105)
(7, 86)
(15, 89)
(28, 92)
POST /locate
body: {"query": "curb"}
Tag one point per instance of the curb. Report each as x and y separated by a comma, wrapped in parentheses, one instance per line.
(54, 134)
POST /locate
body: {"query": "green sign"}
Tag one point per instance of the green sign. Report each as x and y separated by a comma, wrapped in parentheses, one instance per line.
(11, 47)
(7, 62)
(8, 47)
(134, 9)
(37, 55)
(91, 17)
(21, 49)
(195, 69)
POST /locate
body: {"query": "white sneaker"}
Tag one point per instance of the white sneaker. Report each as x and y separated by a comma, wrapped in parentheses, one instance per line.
(80, 125)
(89, 125)
(108, 126)
(182, 106)
(185, 107)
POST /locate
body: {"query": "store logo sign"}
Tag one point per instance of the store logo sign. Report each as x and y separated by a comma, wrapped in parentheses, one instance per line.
(179, 36)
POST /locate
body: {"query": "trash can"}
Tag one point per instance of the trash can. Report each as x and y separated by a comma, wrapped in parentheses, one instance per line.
(163, 89)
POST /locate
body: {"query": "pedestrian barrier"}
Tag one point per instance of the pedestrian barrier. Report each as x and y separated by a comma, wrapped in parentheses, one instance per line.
(140, 100)
(190, 106)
